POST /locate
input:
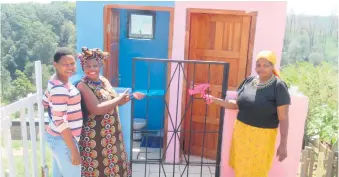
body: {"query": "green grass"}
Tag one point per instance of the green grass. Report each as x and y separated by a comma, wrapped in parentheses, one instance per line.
(19, 159)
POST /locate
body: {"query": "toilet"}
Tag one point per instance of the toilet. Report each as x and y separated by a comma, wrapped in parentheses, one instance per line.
(138, 124)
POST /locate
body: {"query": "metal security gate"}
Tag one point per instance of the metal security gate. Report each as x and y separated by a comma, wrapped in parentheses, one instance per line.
(148, 156)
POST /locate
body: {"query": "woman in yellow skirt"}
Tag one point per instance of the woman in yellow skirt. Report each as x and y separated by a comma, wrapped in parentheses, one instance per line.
(263, 103)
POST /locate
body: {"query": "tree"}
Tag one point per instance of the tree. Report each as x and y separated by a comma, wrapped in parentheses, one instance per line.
(31, 32)
(319, 84)
(67, 35)
(297, 50)
(44, 45)
(305, 35)
(6, 86)
(5, 26)
(316, 58)
(324, 124)
(22, 86)
(47, 71)
(9, 63)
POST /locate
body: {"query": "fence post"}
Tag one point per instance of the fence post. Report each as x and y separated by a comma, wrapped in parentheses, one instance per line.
(23, 126)
(311, 164)
(320, 164)
(7, 135)
(33, 139)
(330, 160)
(38, 83)
(2, 137)
(336, 171)
(303, 169)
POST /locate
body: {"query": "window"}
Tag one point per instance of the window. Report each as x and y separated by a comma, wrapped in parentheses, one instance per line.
(141, 24)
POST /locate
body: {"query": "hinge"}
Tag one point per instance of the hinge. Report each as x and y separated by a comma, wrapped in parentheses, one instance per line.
(108, 28)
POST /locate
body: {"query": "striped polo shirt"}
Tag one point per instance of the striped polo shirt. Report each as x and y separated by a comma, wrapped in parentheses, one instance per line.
(64, 102)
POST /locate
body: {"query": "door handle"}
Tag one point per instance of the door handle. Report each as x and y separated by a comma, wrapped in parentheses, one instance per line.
(191, 85)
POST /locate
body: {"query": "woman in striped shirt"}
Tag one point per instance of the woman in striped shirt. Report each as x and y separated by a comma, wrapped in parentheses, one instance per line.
(64, 129)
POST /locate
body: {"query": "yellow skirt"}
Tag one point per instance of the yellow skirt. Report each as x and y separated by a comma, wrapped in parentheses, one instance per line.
(252, 150)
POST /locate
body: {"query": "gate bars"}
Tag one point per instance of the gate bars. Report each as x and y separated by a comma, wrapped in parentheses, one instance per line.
(176, 129)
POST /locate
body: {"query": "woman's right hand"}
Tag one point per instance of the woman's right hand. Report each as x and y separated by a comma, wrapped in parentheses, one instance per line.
(124, 96)
(125, 93)
(75, 157)
(228, 104)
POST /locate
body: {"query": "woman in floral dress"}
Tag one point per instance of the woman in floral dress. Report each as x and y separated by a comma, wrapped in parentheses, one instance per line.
(102, 144)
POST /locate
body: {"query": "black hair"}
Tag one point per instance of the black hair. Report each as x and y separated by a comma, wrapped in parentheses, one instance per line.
(60, 52)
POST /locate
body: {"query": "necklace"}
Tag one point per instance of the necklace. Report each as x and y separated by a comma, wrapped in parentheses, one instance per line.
(95, 83)
(256, 83)
(101, 88)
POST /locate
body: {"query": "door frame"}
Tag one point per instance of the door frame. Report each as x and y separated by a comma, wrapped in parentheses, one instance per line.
(107, 47)
(189, 11)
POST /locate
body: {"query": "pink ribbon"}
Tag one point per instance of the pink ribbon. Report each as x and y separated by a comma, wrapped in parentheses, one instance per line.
(202, 89)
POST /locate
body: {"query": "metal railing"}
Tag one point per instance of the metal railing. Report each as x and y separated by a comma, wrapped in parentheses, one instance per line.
(175, 121)
(22, 106)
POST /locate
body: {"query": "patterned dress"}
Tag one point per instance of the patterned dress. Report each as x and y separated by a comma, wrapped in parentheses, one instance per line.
(102, 145)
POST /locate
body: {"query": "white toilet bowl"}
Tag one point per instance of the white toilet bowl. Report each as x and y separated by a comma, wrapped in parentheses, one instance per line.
(138, 124)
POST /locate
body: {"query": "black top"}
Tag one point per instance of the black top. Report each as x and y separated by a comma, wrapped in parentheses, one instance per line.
(258, 107)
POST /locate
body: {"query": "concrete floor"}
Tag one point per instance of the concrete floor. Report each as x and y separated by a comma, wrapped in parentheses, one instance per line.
(152, 170)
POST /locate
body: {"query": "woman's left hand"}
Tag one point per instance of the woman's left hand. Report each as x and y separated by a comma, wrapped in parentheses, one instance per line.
(282, 152)
(138, 95)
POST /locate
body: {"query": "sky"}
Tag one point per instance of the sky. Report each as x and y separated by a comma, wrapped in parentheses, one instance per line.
(313, 7)
(307, 7)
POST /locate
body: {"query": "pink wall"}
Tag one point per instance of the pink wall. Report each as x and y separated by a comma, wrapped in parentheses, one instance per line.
(287, 168)
(269, 35)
